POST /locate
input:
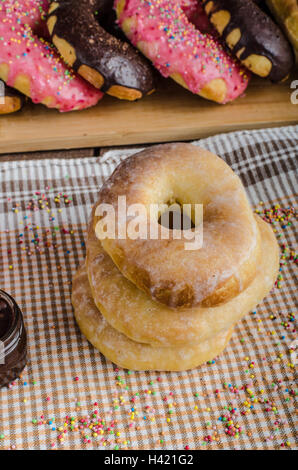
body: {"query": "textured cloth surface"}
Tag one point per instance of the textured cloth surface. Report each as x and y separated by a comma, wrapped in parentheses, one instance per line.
(69, 395)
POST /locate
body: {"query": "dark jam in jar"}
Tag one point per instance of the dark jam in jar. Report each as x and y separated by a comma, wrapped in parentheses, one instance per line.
(13, 340)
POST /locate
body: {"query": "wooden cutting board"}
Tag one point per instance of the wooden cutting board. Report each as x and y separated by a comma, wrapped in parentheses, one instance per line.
(170, 114)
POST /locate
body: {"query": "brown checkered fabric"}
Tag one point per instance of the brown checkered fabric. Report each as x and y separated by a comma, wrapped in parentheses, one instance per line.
(244, 399)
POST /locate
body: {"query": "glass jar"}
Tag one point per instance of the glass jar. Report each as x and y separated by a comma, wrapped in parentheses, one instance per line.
(13, 340)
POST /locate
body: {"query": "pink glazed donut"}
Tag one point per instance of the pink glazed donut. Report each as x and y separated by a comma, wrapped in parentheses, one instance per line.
(197, 61)
(29, 64)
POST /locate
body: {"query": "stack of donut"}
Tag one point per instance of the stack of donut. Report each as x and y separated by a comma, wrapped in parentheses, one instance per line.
(147, 303)
(207, 46)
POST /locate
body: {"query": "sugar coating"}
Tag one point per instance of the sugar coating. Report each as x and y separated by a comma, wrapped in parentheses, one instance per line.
(135, 314)
(190, 175)
(132, 355)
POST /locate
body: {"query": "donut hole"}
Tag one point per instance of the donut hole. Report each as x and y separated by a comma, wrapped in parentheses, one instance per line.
(175, 218)
(107, 19)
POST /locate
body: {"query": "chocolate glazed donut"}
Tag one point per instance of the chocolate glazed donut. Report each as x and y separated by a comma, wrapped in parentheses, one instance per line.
(251, 34)
(11, 100)
(105, 61)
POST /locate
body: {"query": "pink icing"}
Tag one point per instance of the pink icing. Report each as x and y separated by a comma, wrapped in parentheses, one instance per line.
(175, 46)
(26, 53)
(30, 12)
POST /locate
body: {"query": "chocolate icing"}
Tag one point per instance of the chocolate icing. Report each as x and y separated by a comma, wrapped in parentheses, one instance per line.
(81, 23)
(259, 35)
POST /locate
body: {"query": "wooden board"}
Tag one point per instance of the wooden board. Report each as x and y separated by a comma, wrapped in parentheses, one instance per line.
(172, 113)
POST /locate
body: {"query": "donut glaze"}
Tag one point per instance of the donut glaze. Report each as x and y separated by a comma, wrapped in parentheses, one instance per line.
(29, 64)
(132, 355)
(252, 36)
(11, 100)
(162, 31)
(133, 312)
(110, 64)
(186, 174)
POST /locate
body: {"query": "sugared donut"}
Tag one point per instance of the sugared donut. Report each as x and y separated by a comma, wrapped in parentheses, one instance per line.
(11, 100)
(177, 277)
(29, 64)
(252, 36)
(132, 355)
(108, 63)
(162, 31)
(133, 313)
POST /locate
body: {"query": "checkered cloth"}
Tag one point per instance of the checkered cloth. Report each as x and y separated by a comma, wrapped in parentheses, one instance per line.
(244, 399)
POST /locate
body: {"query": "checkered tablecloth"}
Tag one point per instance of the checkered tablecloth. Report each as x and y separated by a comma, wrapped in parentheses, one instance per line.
(245, 399)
